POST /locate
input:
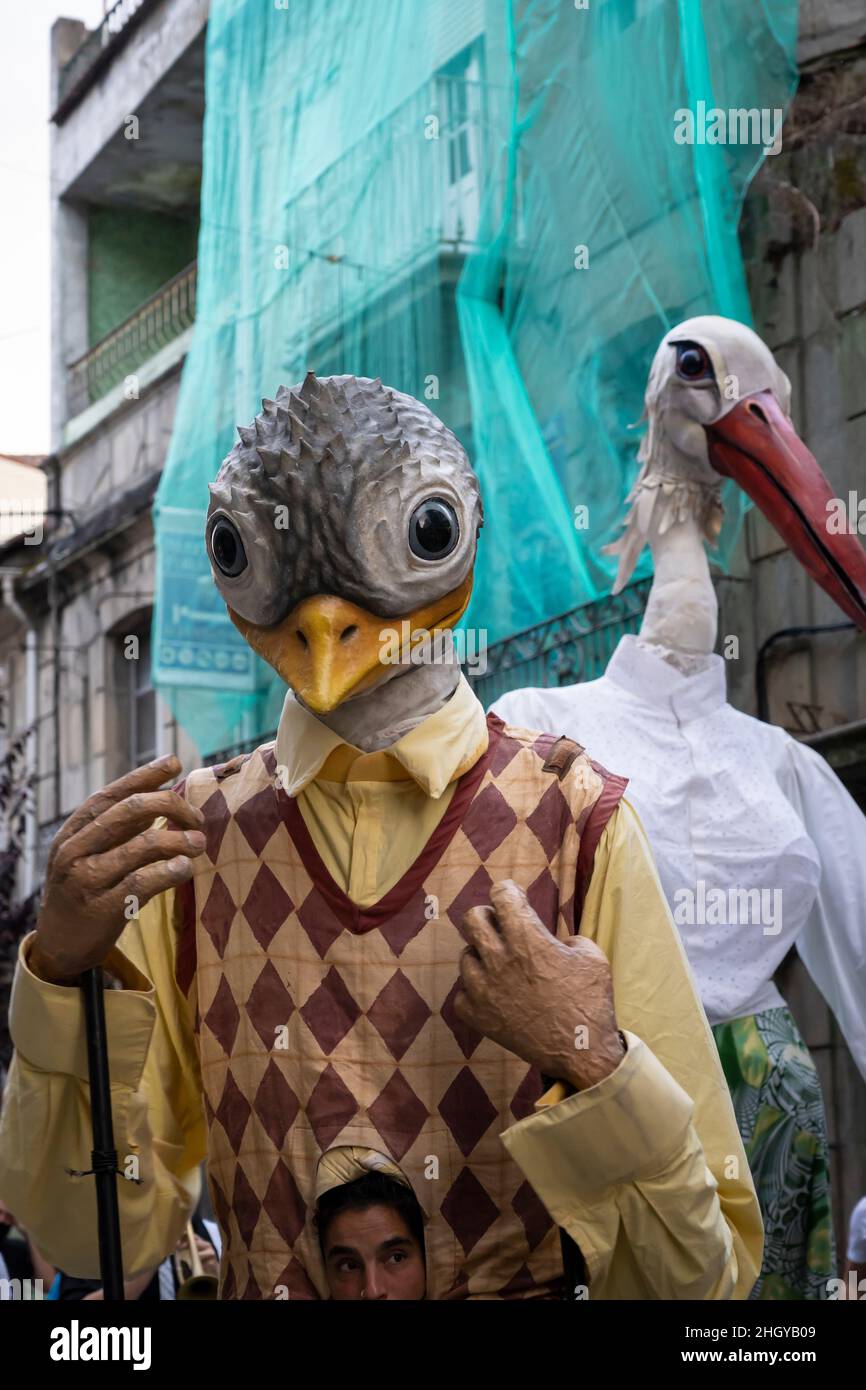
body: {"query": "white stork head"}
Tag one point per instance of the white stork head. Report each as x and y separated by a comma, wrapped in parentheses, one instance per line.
(717, 405)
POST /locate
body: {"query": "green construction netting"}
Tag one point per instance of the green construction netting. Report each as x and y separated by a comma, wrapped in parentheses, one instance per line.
(402, 190)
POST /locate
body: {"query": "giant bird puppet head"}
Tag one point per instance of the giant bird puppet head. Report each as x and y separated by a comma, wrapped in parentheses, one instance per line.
(345, 509)
(717, 403)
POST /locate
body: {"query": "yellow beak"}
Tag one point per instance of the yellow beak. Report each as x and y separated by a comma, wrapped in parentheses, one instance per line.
(329, 649)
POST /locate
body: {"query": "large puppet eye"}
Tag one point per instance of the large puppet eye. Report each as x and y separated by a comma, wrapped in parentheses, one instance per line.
(227, 548)
(693, 364)
(433, 529)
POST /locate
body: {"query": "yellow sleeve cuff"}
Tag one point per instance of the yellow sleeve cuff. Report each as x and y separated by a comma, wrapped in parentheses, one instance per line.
(626, 1128)
(46, 1021)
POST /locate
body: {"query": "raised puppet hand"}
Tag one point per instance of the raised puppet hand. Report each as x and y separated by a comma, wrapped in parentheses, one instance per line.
(107, 852)
(548, 1001)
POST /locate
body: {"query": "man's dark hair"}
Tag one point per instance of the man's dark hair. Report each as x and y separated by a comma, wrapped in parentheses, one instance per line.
(372, 1190)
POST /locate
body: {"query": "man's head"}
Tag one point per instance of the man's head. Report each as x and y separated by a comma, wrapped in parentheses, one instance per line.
(372, 1237)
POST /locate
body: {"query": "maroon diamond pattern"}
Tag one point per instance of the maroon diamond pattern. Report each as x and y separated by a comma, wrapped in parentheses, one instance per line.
(218, 914)
(233, 1112)
(330, 1107)
(467, 1039)
(543, 744)
(543, 897)
(258, 819)
(319, 922)
(549, 819)
(504, 750)
(488, 821)
(330, 1011)
(296, 1281)
(475, 893)
(270, 1005)
(519, 1283)
(229, 1287)
(398, 1014)
(566, 911)
(276, 1105)
(467, 1110)
(217, 817)
(284, 1204)
(252, 1292)
(468, 1210)
(399, 929)
(533, 1213)
(246, 1206)
(221, 1206)
(528, 1092)
(269, 758)
(398, 1115)
(223, 1017)
(266, 907)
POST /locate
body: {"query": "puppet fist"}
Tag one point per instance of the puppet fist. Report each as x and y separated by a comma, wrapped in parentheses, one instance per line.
(108, 858)
(548, 1001)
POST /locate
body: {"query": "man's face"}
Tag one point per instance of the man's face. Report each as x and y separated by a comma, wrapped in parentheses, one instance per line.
(372, 1254)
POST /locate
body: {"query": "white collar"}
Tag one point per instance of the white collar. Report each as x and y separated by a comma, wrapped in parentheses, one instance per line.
(651, 679)
(434, 753)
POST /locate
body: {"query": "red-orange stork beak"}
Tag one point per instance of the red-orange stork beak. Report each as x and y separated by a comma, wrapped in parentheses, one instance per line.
(757, 446)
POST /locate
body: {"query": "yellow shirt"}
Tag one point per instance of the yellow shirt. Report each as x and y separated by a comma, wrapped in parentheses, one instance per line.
(371, 814)
(646, 1170)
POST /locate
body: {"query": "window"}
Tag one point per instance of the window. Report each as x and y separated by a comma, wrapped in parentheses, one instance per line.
(135, 697)
(459, 90)
(142, 705)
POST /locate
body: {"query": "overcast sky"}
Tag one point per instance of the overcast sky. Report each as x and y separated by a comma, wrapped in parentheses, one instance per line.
(25, 26)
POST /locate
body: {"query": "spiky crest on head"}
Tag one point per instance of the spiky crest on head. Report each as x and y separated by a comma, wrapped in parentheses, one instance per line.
(334, 425)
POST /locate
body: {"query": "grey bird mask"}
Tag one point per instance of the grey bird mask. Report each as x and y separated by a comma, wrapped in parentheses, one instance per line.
(346, 510)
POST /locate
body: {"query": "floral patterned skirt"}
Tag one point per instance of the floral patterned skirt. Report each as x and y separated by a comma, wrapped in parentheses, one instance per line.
(780, 1112)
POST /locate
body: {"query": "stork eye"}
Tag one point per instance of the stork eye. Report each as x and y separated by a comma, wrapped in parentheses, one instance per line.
(433, 529)
(693, 364)
(227, 548)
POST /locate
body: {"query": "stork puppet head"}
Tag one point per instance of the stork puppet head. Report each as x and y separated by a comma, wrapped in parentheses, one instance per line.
(347, 512)
(718, 403)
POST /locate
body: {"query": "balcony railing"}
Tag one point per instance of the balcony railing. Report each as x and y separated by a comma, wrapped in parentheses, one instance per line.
(97, 52)
(574, 647)
(123, 351)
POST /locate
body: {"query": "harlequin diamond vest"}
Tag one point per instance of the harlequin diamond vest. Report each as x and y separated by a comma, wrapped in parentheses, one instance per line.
(320, 1023)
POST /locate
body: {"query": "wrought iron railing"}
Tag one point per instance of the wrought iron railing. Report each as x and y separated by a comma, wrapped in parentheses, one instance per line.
(574, 647)
(96, 51)
(122, 351)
